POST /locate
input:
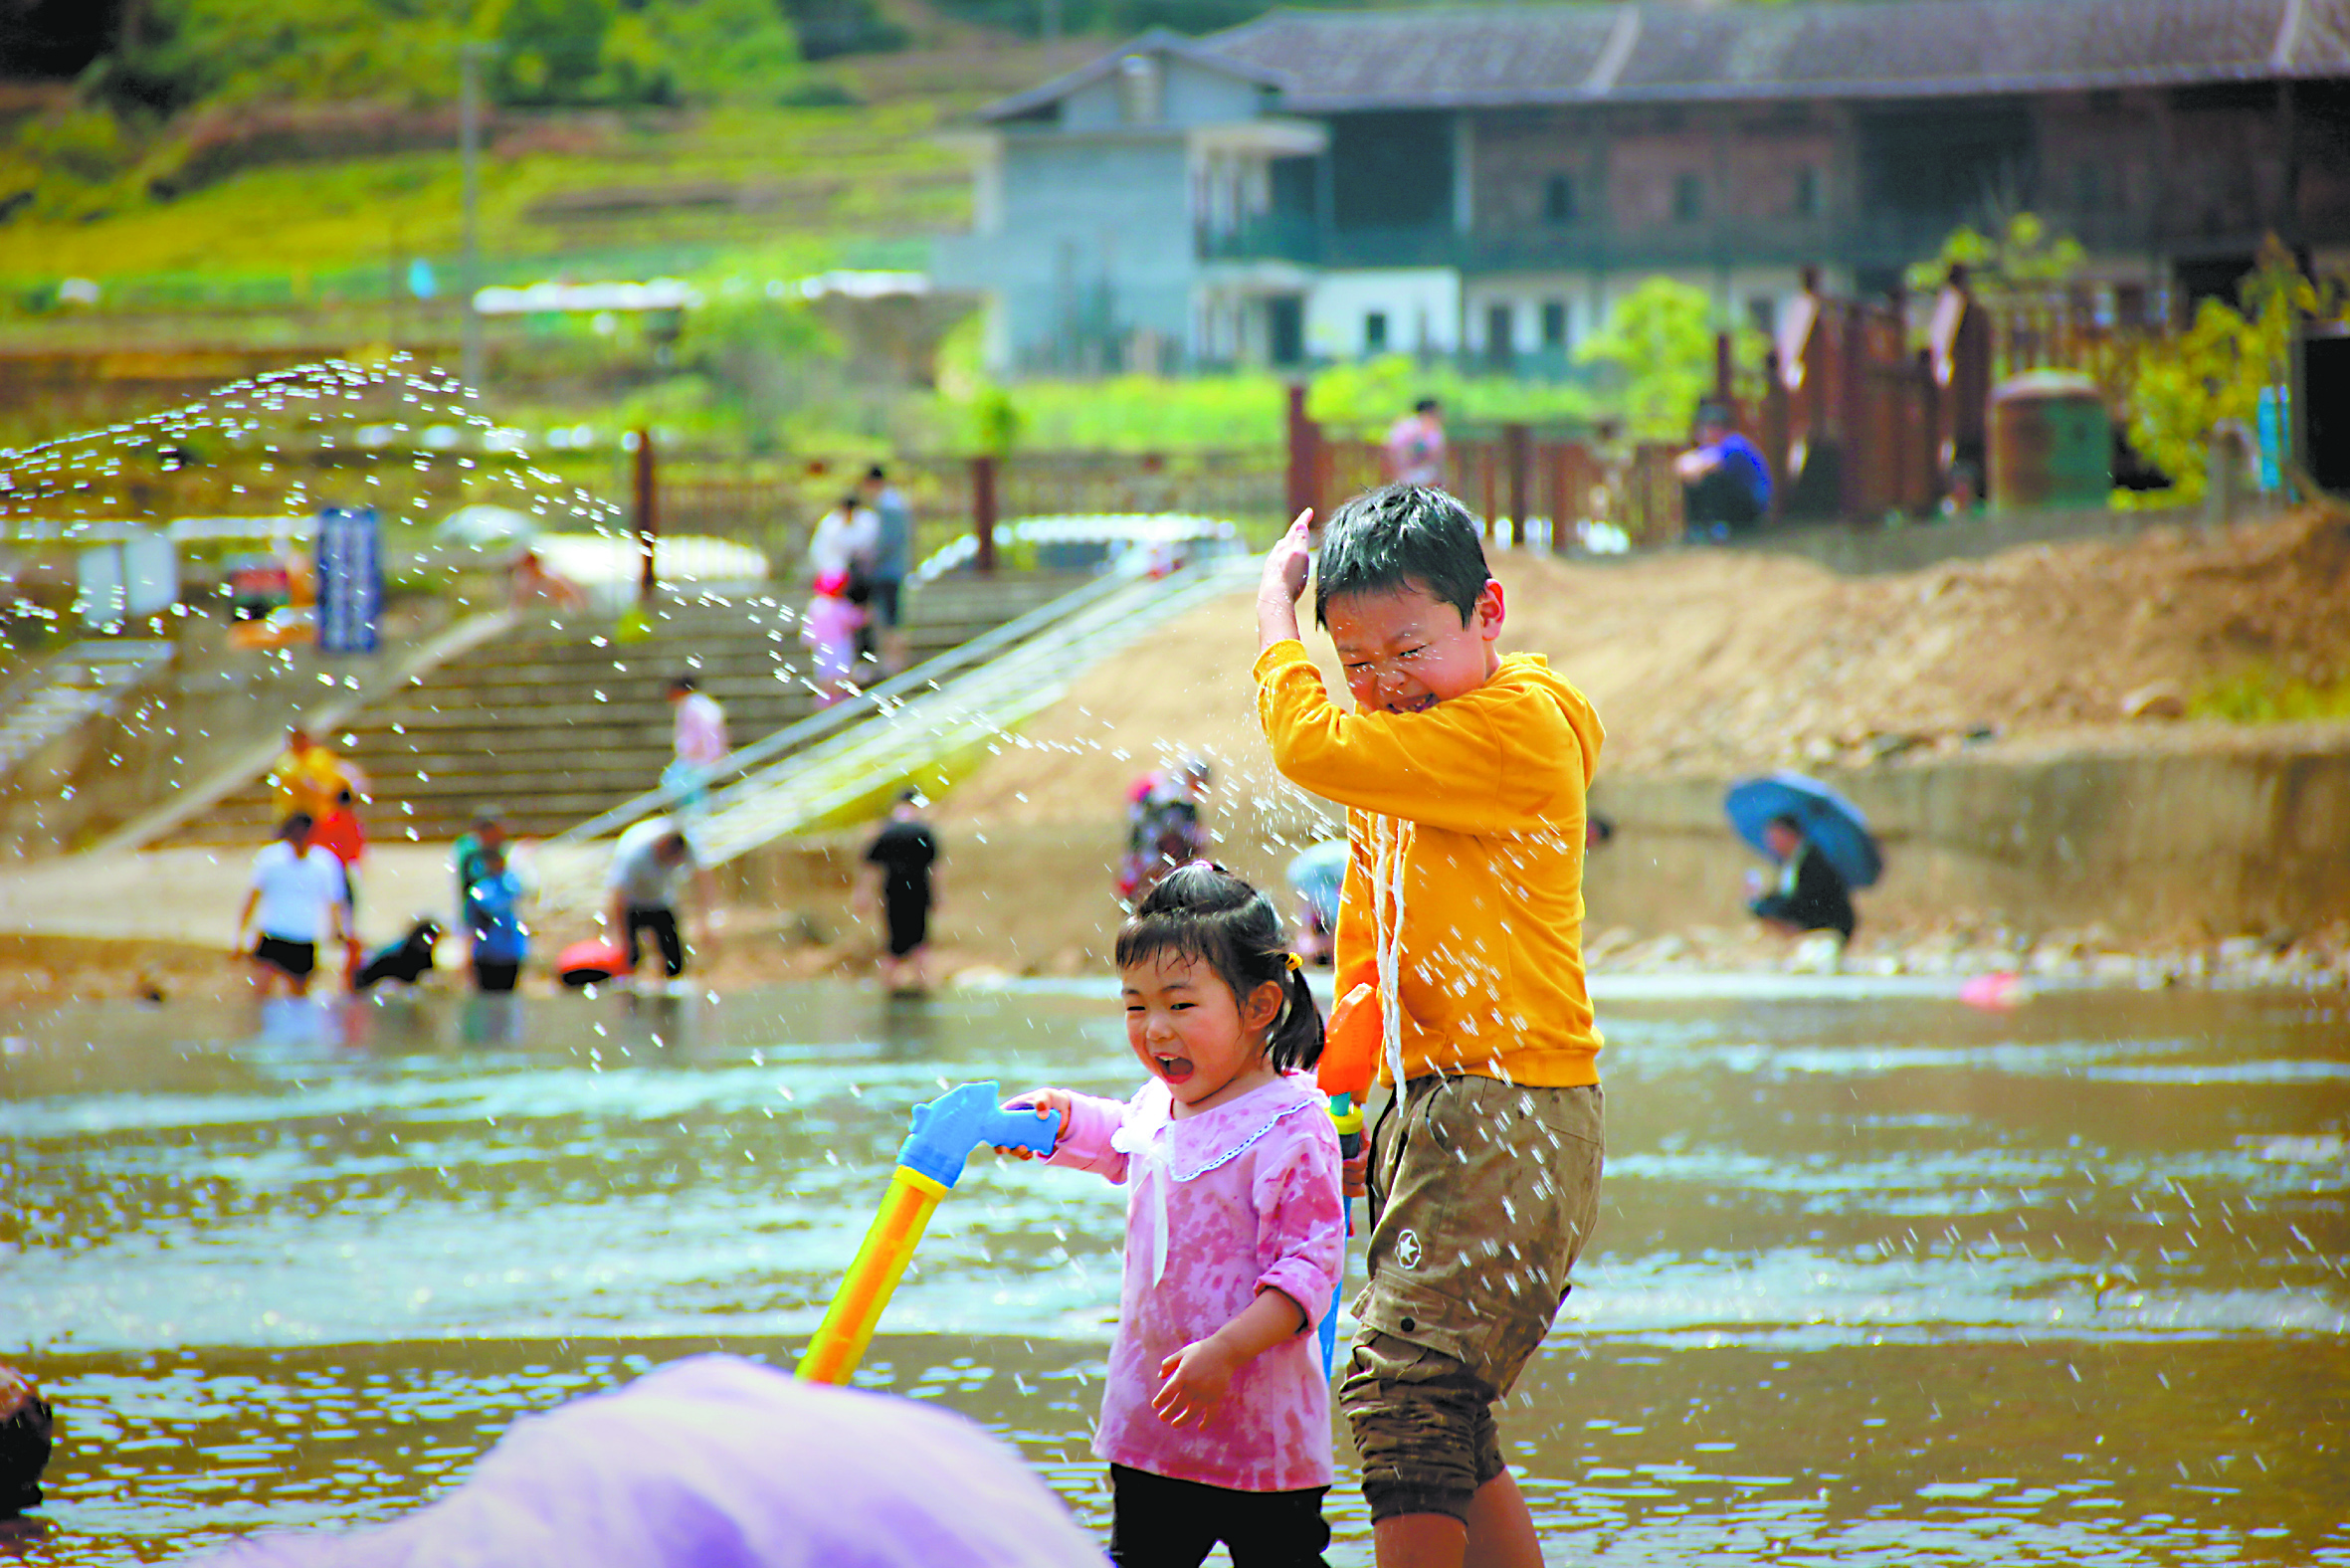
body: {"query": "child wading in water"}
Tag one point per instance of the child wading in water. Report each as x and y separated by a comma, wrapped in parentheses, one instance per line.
(1463, 773)
(1216, 1421)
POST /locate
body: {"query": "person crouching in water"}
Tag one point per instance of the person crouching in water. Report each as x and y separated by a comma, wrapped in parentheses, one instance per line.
(1810, 893)
(24, 1444)
(1216, 1416)
(650, 864)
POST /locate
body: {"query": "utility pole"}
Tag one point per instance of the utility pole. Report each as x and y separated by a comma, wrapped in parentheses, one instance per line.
(647, 516)
(471, 54)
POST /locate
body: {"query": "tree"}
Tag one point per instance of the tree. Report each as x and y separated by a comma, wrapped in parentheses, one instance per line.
(2025, 255)
(2184, 388)
(1658, 345)
(757, 358)
(551, 50)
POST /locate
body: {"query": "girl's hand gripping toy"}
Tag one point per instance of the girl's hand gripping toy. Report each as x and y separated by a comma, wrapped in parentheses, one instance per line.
(929, 1163)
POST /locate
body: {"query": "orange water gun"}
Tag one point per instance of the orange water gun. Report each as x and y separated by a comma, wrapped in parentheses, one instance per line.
(1351, 1040)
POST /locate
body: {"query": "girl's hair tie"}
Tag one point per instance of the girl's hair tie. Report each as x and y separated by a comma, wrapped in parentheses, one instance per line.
(1296, 963)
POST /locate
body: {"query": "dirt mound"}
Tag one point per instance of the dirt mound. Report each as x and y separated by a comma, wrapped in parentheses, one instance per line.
(1719, 662)
(1724, 661)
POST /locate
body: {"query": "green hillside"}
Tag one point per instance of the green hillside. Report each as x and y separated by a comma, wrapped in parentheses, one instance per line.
(289, 209)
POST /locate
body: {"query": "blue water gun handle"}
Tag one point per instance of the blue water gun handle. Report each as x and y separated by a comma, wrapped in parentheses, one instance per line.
(1022, 1130)
(966, 1117)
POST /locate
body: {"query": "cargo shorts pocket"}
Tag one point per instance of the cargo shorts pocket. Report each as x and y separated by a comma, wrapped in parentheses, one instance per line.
(1486, 1191)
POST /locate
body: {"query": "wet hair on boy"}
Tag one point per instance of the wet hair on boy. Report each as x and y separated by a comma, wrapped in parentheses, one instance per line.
(1205, 914)
(1400, 537)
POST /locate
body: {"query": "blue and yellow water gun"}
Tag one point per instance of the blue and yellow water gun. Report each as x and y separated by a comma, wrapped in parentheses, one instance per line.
(1350, 1062)
(929, 1163)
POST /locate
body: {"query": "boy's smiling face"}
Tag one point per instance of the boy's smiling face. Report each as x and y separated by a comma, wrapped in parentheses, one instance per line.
(1405, 649)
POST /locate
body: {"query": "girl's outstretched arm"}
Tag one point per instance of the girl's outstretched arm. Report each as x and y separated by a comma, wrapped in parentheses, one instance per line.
(1086, 1122)
(1194, 1380)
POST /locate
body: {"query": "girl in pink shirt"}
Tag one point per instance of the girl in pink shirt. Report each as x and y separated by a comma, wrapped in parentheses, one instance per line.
(829, 629)
(1216, 1418)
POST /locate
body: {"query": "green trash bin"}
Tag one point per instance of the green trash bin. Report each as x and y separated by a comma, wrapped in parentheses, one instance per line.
(2052, 442)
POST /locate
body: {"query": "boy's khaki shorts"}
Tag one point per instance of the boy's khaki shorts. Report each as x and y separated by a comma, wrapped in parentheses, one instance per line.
(1482, 1194)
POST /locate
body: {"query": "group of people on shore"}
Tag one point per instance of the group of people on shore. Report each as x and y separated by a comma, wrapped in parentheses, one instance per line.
(859, 559)
(301, 902)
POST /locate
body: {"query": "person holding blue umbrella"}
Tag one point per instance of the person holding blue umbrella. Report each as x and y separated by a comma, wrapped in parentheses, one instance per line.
(1809, 894)
(1820, 843)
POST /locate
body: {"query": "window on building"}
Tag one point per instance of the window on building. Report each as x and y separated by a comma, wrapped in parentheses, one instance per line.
(1688, 198)
(1558, 199)
(1554, 324)
(1502, 334)
(1374, 332)
(1763, 311)
(1807, 192)
(1138, 89)
(1285, 329)
(2092, 188)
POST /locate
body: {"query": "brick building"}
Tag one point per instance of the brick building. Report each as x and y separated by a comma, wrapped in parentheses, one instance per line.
(1485, 181)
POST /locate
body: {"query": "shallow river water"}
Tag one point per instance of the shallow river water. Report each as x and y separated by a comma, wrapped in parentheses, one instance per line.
(1879, 1278)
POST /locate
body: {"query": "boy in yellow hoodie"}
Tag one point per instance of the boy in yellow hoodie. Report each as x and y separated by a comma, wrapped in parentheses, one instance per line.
(1463, 773)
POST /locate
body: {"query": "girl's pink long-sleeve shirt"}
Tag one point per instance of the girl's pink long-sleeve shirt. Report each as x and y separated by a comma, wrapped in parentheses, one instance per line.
(1250, 1202)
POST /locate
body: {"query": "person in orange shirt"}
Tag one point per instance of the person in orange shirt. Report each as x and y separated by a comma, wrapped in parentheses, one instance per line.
(339, 834)
(1463, 773)
(308, 775)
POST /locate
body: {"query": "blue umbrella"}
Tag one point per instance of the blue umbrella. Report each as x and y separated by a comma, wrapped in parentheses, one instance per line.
(1831, 824)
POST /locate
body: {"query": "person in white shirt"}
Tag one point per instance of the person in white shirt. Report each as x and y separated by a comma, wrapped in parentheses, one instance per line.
(295, 903)
(650, 867)
(848, 539)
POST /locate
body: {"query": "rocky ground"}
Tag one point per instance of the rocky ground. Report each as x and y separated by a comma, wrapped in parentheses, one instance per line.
(1722, 661)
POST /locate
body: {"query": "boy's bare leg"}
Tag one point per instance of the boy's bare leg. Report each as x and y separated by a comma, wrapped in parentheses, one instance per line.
(1501, 1527)
(1500, 1533)
(1419, 1540)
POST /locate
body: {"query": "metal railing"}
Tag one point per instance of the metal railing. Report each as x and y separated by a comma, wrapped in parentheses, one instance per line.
(946, 721)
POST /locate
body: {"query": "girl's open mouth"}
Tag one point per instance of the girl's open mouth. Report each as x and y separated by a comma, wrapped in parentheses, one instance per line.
(1173, 1068)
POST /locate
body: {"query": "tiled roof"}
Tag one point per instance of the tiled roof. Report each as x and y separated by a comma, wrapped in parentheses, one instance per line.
(1661, 51)
(1157, 41)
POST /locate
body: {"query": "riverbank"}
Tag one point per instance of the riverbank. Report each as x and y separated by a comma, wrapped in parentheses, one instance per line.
(757, 947)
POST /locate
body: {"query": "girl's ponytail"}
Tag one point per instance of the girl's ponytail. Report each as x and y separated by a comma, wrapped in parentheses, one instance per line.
(1205, 912)
(1297, 1041)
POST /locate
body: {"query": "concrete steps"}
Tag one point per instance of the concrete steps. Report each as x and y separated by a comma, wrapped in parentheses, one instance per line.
(65, 691)
(557, 722)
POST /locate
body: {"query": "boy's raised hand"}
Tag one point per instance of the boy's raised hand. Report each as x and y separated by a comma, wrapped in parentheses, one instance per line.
(1045, 1102)
(1287, 566)
(1283, 581)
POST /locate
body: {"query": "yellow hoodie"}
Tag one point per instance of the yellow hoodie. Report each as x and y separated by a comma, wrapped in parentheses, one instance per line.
(1464, 882)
